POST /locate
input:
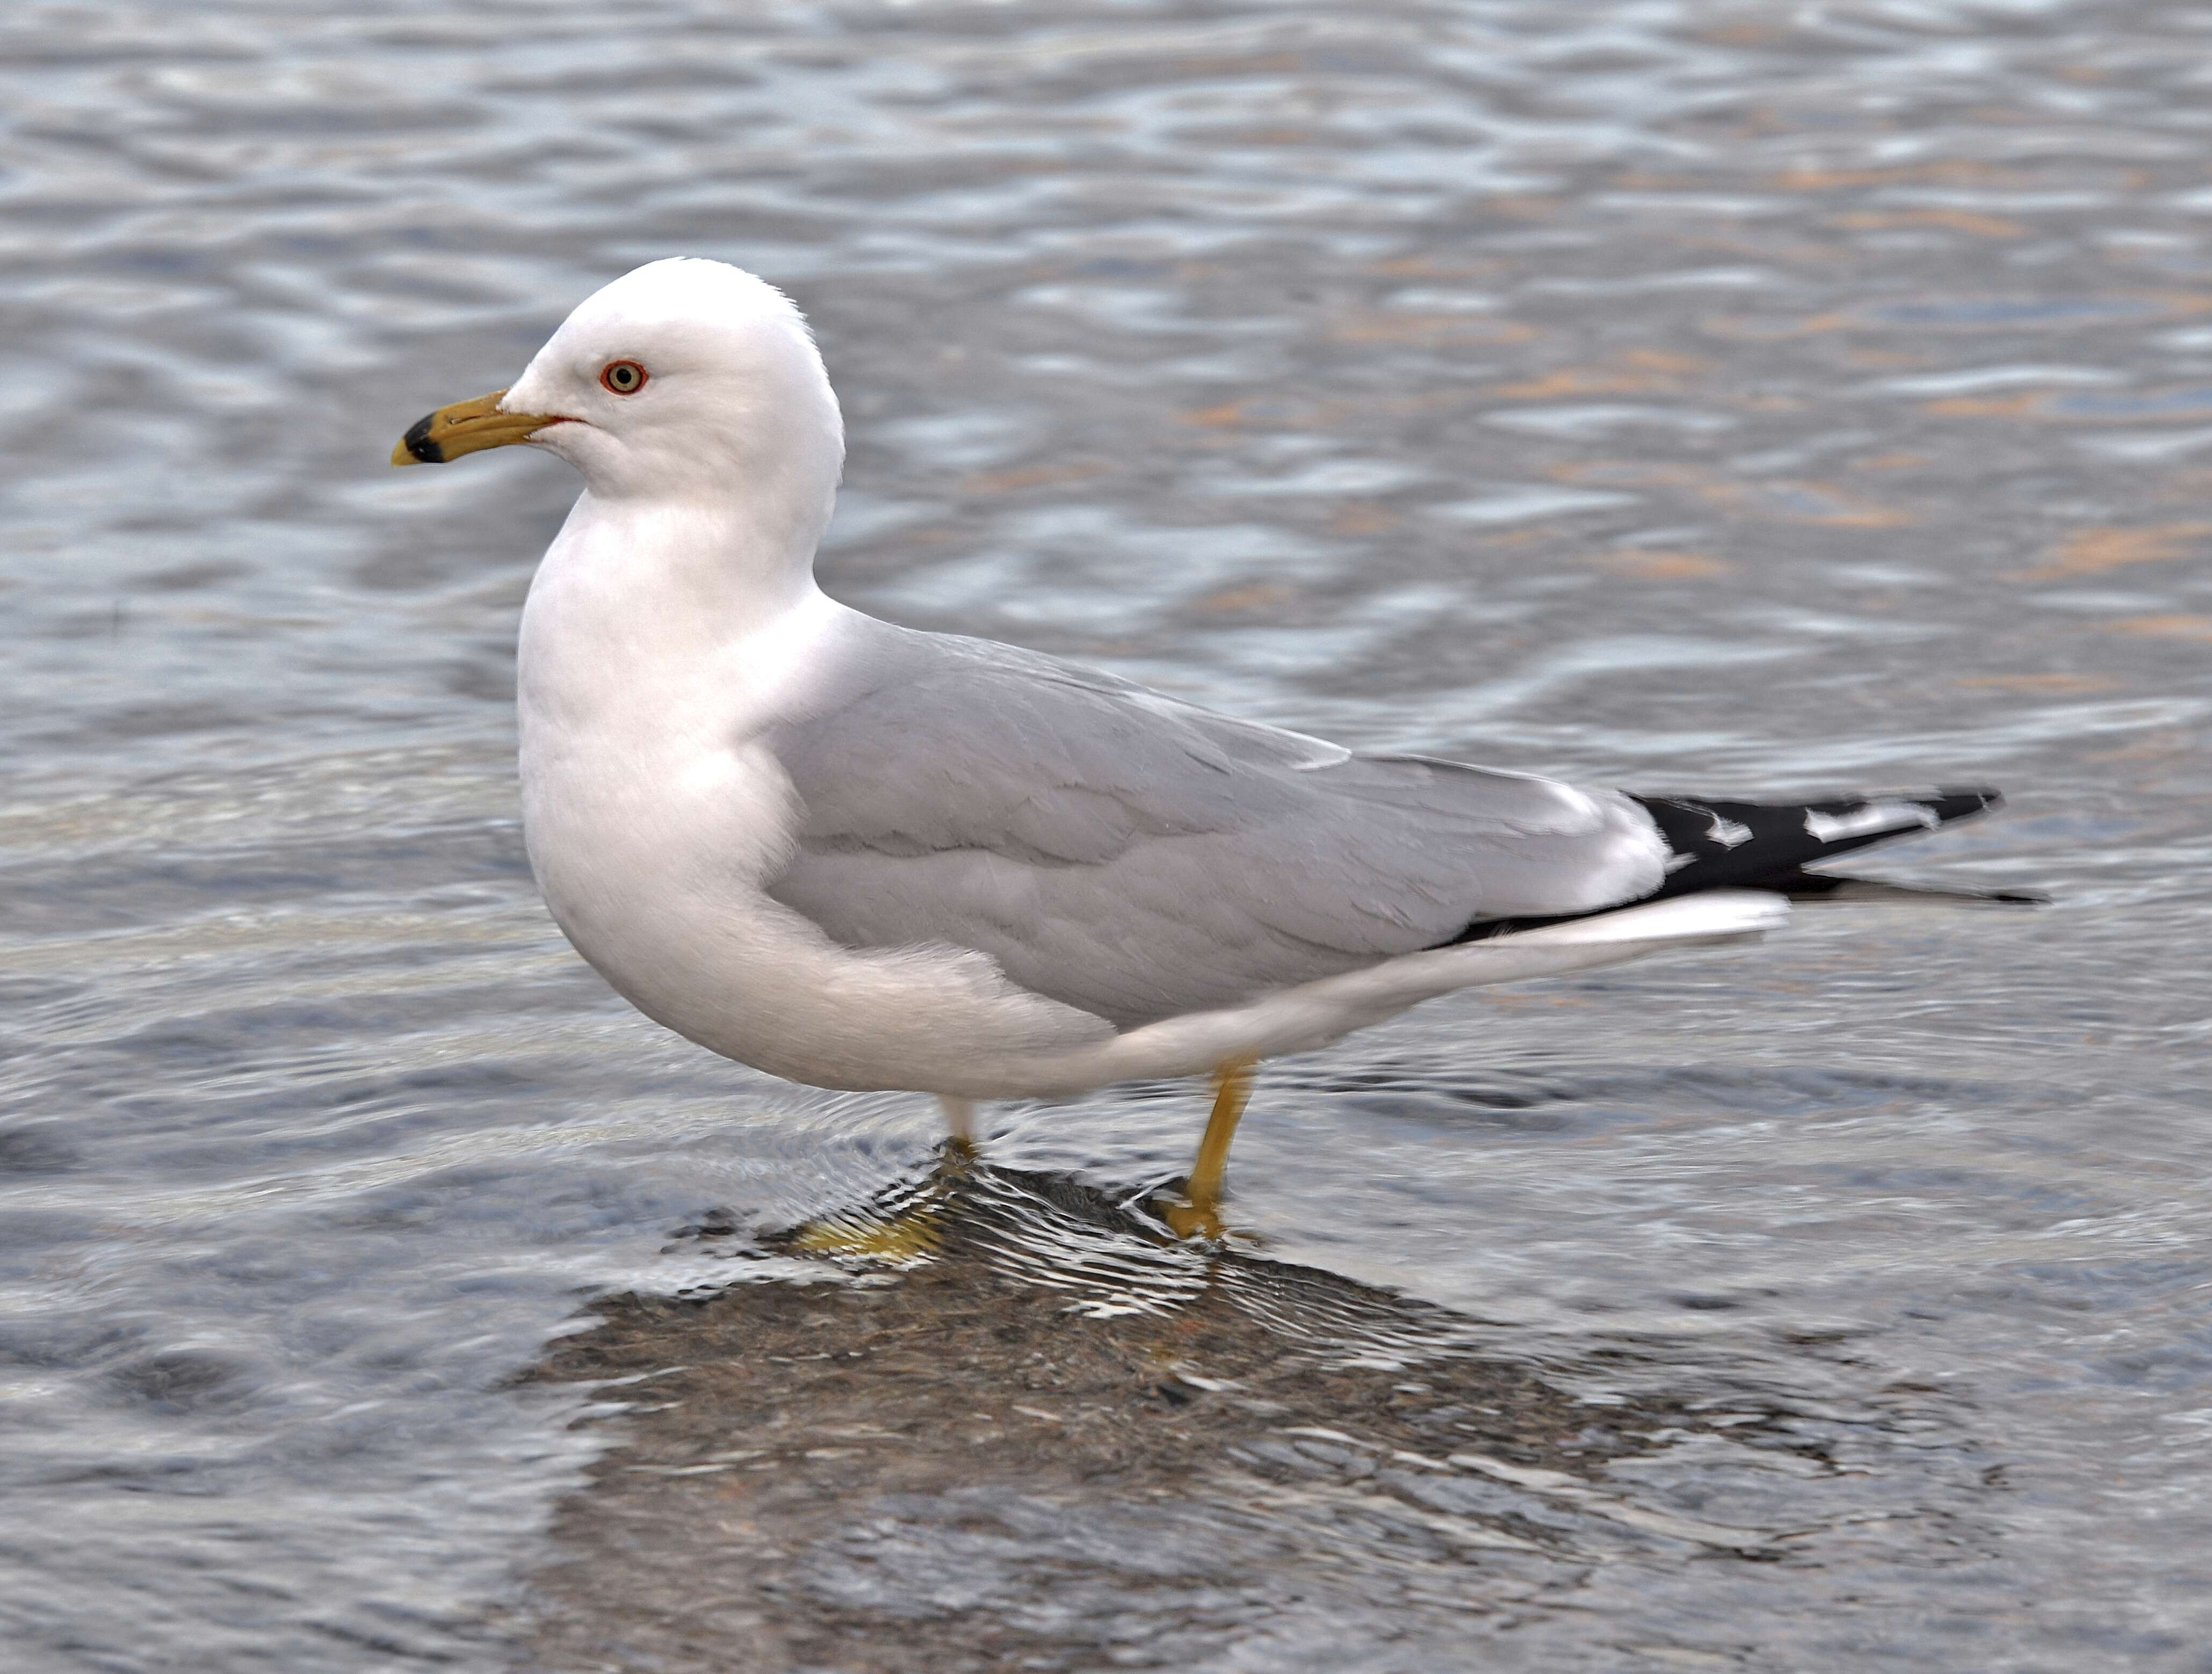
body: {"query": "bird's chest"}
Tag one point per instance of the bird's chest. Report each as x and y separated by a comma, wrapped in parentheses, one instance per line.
(610, 812)
(651, 811)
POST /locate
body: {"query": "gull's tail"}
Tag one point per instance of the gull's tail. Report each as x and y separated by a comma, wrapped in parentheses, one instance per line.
(1765, 847)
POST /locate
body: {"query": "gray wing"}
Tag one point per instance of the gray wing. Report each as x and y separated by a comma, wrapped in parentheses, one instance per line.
(1138, 857)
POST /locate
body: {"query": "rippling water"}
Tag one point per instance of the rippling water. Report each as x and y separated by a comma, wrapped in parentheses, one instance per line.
(1690, 396)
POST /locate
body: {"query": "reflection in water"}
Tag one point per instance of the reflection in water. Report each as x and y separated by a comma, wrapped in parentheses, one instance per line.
(1016, 1421)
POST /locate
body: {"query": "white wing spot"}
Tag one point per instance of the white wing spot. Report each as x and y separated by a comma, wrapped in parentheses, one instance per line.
(1873, 817)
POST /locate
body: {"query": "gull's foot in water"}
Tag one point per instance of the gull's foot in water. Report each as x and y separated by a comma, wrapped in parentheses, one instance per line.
(1188, 1220)
(899, 1230)
(1192, 1220)
(1183, 1213)
(902, 1241)
(917, 1221)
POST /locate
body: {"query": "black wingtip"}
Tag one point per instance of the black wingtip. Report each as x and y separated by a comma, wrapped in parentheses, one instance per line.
(1954, 802)
(1742, 845)
(1803, 886)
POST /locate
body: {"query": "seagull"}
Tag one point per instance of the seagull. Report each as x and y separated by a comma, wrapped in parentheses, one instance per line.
(862, 857)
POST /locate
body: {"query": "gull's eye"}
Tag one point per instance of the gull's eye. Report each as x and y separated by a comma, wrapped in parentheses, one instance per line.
(623, 376)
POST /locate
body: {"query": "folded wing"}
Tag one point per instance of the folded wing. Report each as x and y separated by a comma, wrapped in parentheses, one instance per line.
(1139, 858)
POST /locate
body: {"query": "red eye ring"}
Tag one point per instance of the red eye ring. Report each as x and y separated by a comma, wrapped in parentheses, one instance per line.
(623, 376)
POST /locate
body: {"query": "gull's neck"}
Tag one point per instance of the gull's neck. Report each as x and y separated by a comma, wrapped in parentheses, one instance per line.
(706, 570)
(669, 618)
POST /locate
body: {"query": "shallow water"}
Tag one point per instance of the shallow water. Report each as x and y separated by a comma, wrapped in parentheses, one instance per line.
(1671, 395)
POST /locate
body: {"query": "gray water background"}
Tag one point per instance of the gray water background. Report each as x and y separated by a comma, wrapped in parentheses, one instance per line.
(1686, 395)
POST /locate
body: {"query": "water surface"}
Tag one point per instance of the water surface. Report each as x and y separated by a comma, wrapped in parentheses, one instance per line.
(1680, 396)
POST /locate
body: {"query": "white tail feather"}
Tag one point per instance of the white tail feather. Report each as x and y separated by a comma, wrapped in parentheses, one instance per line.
(1698, 917)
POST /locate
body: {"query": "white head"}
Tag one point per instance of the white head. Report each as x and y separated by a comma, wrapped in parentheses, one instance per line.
(686, 382)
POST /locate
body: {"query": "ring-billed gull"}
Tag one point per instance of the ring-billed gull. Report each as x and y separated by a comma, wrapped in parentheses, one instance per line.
(863, 857)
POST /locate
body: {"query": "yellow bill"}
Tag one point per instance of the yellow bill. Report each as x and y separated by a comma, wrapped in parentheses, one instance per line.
(467, 427)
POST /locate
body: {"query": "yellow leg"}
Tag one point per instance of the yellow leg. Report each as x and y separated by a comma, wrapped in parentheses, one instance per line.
(1199, 1214)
